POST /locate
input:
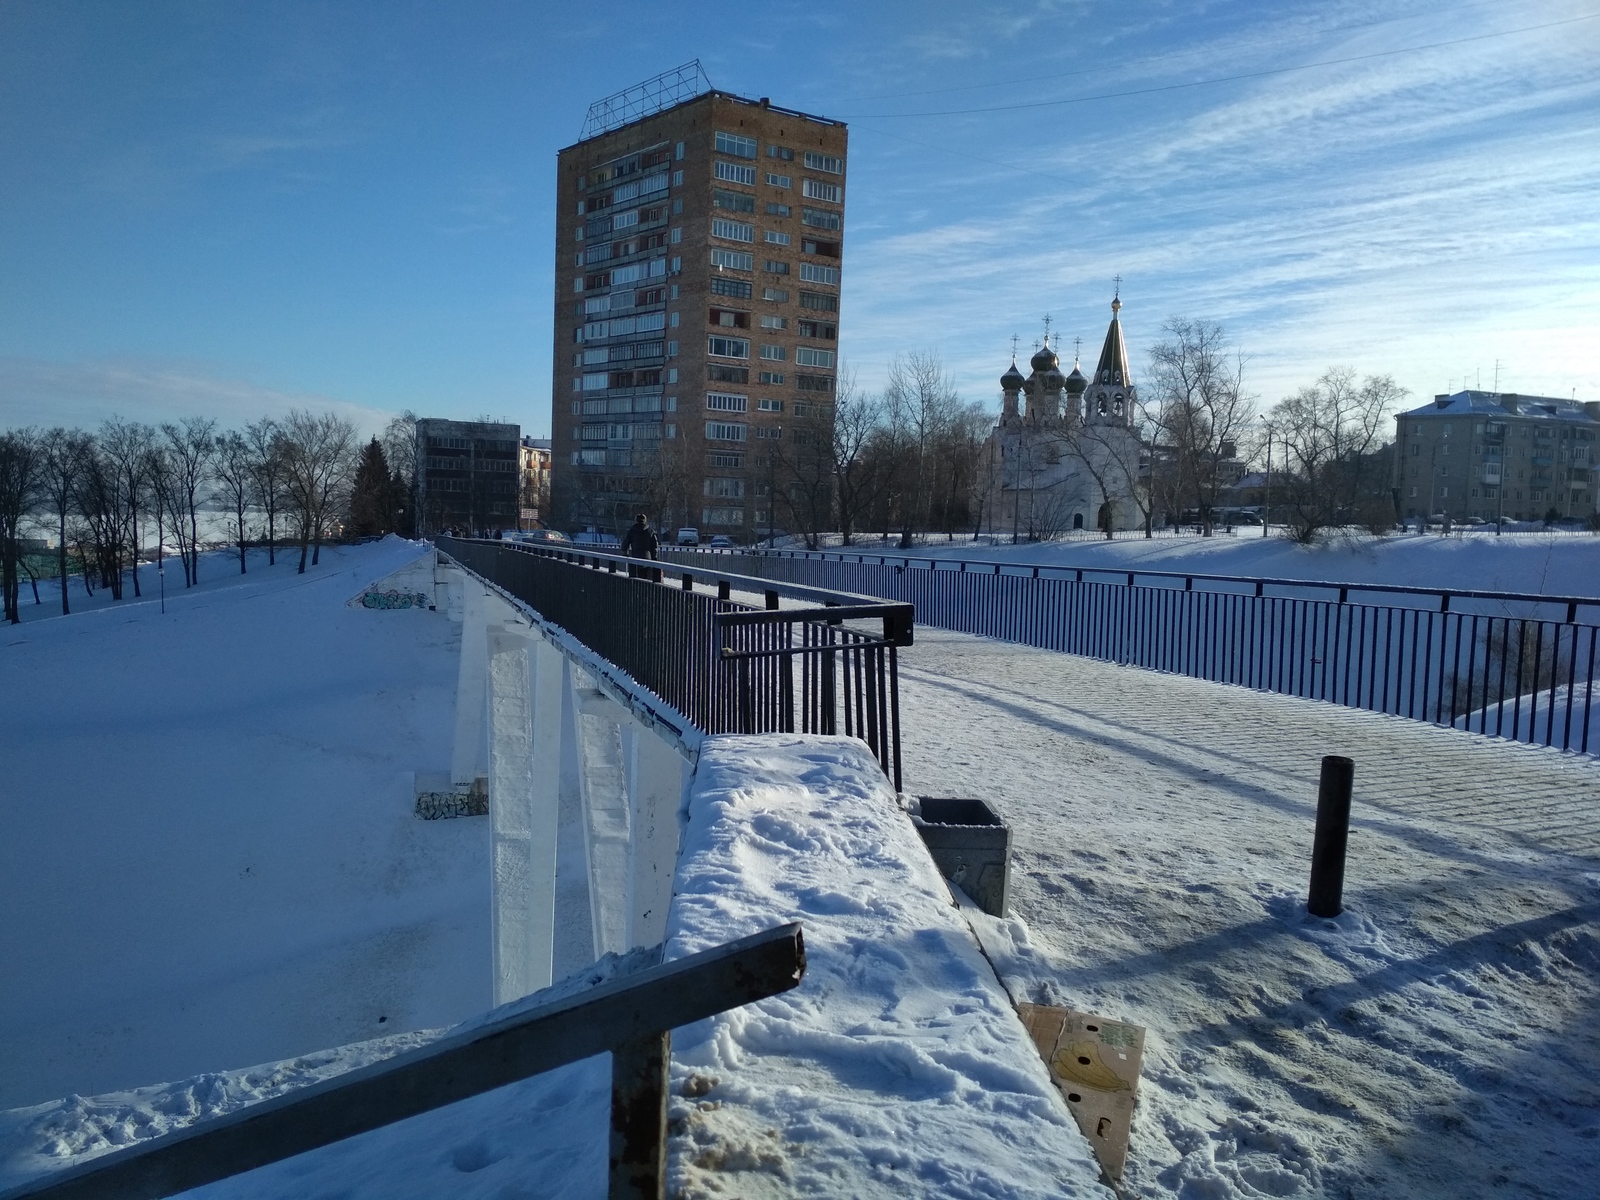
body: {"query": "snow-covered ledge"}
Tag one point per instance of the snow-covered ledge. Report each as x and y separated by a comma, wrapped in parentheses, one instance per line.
(898, 1065)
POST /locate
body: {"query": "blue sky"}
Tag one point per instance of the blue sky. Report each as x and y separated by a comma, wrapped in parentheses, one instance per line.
(238, 208)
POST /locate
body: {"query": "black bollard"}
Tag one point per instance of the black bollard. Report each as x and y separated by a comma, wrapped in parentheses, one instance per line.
(1333, 833)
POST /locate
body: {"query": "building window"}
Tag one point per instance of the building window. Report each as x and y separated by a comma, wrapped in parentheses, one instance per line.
(820, 301)
(814, 383)
(724, 431)
(727, 402)
(774, 266)
(733, 201)
(724, 489)
(782, 181)
(735, 144)
(776, 295)
(734, 173)
(724, 458)
(717, 373)
(778, 210)
(817, 329)
(770, 322)
(773, 353)
(814, 273)
(722, 516)
(733, 260)
(805, 356)
(733, 231)
(771, 433)
(824, 162)
(770, 405)
(596, 383)
(775, 238)
(815, 189)
(721, 285)
(783, 152)
(831, 250)
(726, 347)
(729, 318)
(772, 377)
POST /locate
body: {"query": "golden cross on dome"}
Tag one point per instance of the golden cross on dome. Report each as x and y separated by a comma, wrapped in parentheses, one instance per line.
(1117, 295)
(1047, 329)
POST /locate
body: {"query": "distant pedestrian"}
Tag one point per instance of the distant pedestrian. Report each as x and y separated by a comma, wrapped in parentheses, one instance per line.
(641, 542)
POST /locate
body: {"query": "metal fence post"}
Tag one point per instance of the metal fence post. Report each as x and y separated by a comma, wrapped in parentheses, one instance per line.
(639, 1118)
(1333, 834)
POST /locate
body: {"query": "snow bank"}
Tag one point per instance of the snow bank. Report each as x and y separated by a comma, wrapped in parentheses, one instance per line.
(898, 1067)
(1552, 564)
(207, 850)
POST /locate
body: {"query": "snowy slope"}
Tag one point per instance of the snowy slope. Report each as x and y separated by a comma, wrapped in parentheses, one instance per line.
(207, 849)
(897, 1067)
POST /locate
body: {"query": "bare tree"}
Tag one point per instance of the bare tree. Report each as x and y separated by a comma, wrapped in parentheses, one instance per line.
(857, 420)
(267, 472)
(233, 472)
(920, 400)
(319, 455)
(103, 511)
(126, 445)
(1331, 433)
(190, 444)
(63, 451)
(1200, 407)
(20, 476)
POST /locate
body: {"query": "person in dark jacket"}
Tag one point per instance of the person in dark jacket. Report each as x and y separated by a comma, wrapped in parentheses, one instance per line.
(641, 542)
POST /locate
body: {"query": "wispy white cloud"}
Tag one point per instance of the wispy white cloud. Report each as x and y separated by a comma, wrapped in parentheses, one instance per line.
(45, 393)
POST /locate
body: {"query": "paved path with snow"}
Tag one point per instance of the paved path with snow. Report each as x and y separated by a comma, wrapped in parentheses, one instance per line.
(1163, 829)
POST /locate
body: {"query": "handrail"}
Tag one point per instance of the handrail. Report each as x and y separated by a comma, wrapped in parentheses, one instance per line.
(1002, 567)
(615, 1016)
(898, 616)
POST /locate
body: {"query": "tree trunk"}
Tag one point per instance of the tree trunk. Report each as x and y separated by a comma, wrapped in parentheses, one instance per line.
(61, 559)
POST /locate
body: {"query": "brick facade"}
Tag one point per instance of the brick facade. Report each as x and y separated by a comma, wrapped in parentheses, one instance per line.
(698, 256)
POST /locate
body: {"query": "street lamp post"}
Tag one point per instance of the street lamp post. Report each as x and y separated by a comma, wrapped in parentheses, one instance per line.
(1266, 489)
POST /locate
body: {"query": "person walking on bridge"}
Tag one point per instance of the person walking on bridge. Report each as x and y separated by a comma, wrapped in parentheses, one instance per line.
(641, 542)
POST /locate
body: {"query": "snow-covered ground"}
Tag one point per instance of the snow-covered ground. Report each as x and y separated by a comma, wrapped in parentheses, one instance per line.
(209, 858)
(1438, 1039)
(1554, 564)
(208, 855)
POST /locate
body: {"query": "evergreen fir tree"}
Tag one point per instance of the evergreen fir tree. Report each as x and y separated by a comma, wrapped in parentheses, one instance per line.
(371, 501)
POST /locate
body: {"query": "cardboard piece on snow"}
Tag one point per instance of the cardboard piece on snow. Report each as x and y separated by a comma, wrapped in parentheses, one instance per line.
(1095, 1064)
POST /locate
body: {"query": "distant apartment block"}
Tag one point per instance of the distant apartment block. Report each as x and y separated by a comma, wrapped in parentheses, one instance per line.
(698, 259)
(468, 476)
(535, 499)
(1491, 455)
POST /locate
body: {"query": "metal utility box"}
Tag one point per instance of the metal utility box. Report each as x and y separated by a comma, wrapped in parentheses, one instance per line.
(971, 846)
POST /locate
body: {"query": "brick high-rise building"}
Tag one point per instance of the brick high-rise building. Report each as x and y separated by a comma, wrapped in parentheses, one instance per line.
(698, 255)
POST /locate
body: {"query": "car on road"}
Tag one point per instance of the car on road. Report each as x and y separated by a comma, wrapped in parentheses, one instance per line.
(722, 542)
(541, 536)
(688, 537)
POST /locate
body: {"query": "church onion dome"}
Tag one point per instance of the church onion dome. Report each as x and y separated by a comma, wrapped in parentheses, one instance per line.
(1044, 359)
(1076, 383)
(1012, 380)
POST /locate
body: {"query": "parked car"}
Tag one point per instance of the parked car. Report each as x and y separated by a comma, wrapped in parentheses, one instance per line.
(722, 542)
(688, 537)
(601, 541)
(542, 536)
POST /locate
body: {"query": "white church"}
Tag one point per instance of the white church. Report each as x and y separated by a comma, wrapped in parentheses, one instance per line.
(1066, 453)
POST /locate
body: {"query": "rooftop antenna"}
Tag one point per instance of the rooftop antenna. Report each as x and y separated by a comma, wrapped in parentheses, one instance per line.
(1497, 377)
(645, 99)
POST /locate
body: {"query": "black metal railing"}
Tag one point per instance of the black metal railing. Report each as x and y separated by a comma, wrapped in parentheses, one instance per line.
(728, 664)
(1506, 664)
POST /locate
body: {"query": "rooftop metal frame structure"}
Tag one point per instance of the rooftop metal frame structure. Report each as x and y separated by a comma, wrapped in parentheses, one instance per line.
(645, 99)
